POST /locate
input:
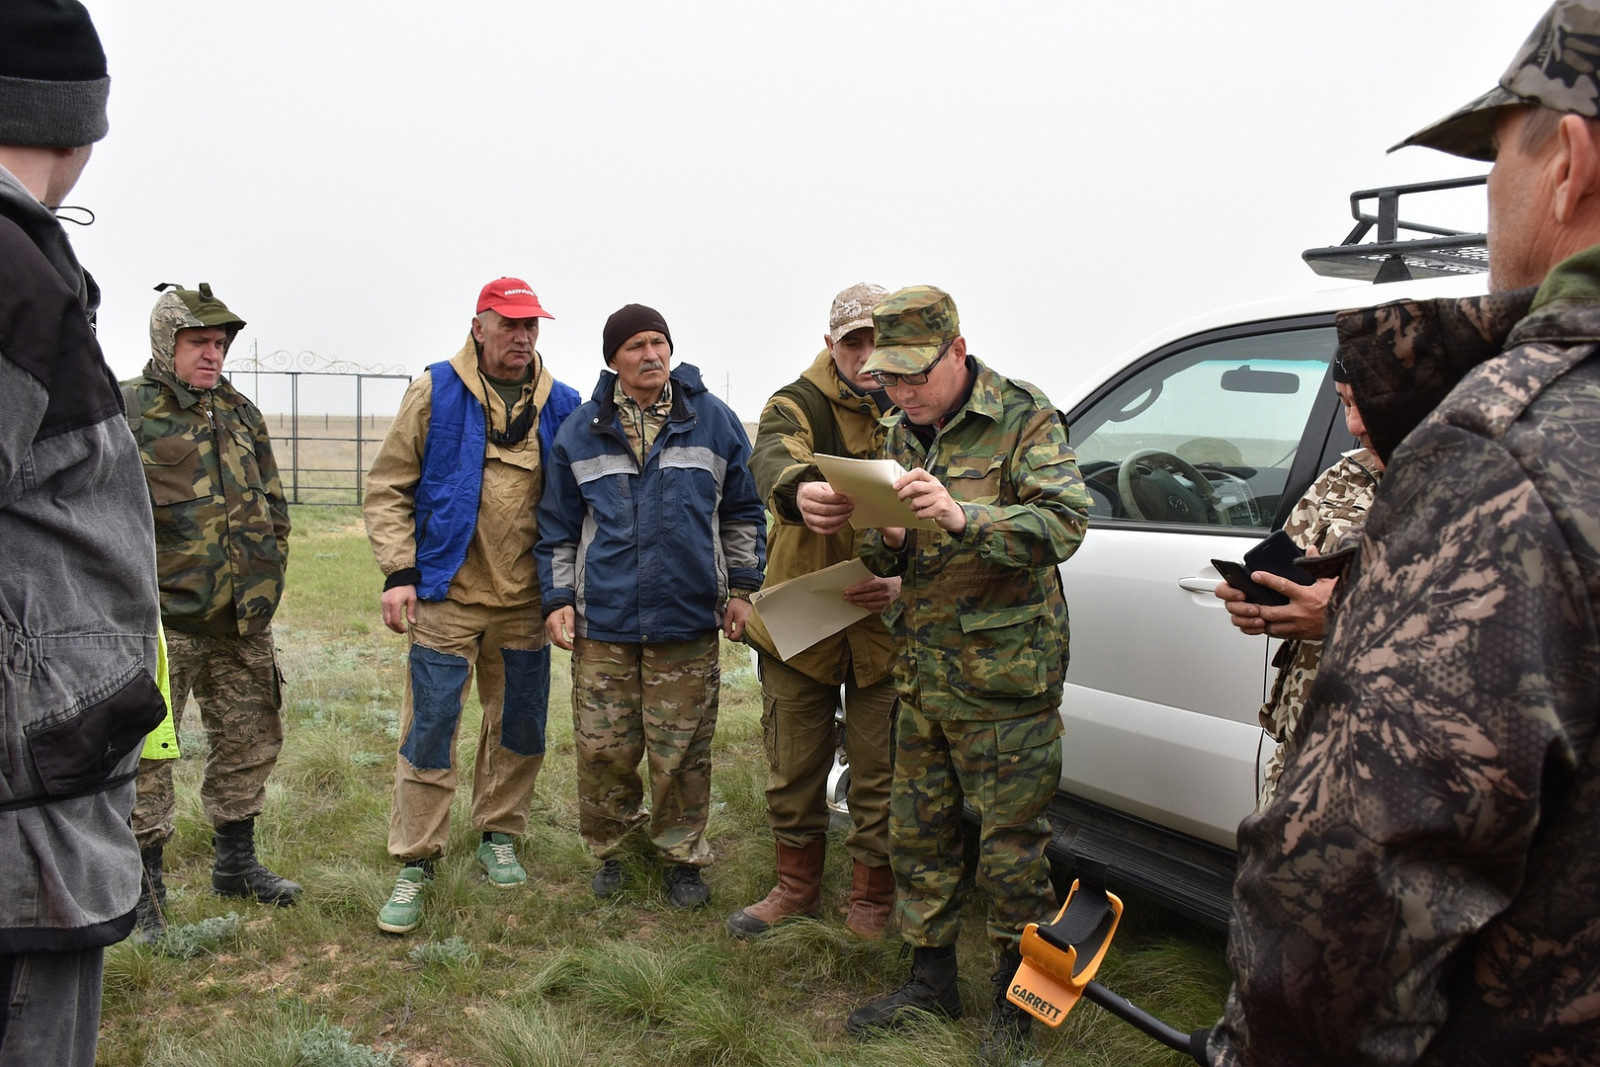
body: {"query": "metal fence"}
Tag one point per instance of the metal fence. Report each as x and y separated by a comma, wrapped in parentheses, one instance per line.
(326, 416)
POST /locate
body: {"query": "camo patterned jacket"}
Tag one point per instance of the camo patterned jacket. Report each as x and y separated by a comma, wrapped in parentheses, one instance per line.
(1336, 503)
(981, 622)
(222, 522)
(782, 459)
(1424, 889)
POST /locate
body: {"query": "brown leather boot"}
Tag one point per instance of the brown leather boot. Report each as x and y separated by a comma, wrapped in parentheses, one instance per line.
(871, 900)
(798, 892)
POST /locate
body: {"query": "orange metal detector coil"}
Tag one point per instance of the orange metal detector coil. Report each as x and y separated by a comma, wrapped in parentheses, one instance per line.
(1058, 960)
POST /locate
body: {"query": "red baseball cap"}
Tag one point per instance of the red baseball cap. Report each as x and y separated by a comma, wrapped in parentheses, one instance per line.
(513, 298)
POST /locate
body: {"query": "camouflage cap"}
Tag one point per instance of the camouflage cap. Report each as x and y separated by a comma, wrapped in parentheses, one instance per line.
(185, 309)
(852, 309)
(1557, 67)
(912, 325)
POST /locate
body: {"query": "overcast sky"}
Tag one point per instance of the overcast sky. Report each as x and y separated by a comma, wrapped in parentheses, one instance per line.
(348, 174)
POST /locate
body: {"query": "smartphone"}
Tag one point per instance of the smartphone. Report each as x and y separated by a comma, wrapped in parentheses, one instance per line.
(1236, 575)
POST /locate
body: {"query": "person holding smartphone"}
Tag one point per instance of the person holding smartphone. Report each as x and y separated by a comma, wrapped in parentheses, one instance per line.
(1331, 510)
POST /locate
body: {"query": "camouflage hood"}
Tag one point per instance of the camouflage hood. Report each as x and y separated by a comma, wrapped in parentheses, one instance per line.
(1403, 358)
(183, 309)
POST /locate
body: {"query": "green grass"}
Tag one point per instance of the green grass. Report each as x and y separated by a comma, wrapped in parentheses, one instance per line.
(545, 974)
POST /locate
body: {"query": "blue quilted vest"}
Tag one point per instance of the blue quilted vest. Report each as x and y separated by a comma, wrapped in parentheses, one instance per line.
(452, 473)
(452, 479)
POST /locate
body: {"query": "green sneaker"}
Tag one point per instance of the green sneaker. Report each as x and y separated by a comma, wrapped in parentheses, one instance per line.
(404, 910)
(499, 862)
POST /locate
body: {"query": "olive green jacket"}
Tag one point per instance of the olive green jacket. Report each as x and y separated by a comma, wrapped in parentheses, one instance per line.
(981, 621)
(783, 458)
(222, 522)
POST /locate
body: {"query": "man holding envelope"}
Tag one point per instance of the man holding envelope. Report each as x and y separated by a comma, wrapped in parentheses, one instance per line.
(832, 408)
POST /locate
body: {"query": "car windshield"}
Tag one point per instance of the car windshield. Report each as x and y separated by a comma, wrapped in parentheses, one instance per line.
(1204, 436)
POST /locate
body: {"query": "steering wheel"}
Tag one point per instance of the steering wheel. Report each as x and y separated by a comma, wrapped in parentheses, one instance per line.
(1149, 491)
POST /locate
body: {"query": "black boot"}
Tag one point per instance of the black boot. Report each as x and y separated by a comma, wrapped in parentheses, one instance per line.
(931, 989)
(1009, 1036)
(237, 872)
(150, 914)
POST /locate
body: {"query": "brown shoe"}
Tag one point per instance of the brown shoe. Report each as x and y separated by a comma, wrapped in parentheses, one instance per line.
(798, 892)
(871, 900)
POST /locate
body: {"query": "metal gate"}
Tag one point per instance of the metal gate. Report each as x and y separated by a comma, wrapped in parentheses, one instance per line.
(324, 418)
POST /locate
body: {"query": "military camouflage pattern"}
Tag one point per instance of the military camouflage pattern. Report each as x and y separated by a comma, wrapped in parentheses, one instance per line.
(1403, 357)
(184, 309)
(911, 325)
(221, 519)
(1423, 890)
(236, 682)
(852, 308)
(658, 701)
(1336, 504)
(1008, 771)
(981, 622)
(1557, 67)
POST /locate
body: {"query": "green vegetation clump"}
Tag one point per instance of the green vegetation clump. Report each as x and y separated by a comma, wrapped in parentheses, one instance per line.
(544, 974)
(189, 940)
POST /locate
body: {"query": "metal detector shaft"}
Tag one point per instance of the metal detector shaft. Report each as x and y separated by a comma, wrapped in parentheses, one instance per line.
(1129, 1012)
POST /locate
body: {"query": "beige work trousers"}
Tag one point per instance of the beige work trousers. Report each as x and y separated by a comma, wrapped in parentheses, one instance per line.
(450, 642)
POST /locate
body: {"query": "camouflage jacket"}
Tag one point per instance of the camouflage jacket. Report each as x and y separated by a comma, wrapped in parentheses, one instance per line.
(1336, 504)
(1424, 888)
(222, 523)
(981, 622)
(780, 461)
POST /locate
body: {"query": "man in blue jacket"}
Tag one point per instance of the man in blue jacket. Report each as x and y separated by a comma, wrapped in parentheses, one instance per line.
(651, 538)
(449, 510)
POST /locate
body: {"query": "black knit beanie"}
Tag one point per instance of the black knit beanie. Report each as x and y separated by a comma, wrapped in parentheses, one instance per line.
(53, 82)
(627, 321)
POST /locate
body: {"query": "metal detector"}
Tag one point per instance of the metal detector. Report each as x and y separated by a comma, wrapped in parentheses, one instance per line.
(1059, 961)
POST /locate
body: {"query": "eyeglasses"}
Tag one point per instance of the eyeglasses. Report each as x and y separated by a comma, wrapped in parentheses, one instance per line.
(889, 380)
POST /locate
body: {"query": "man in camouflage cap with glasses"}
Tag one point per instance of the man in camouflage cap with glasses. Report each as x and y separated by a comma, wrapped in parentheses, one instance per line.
(222, 545)
(981, 627)
(1423, 889)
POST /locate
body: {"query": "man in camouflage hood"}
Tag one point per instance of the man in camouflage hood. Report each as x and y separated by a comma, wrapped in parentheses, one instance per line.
(1423, 890)
(222, 542)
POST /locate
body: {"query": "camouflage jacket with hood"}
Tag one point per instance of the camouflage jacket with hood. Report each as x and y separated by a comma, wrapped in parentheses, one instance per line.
(981, 622)
(1424, 888)
(222, 523)
(782, 459)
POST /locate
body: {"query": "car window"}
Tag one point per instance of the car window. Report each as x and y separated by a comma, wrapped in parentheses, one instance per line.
(1205, 435)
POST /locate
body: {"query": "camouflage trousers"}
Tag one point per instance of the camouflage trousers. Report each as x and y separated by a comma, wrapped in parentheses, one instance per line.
(1008, 770)
(450, 643)
(236, 683)
(657, 701)
(797, 731)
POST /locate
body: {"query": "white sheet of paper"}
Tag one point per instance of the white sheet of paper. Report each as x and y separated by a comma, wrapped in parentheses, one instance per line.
(802, 611)
(869, 483)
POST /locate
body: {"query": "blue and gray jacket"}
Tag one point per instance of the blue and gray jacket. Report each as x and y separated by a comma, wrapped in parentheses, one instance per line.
(648, 554)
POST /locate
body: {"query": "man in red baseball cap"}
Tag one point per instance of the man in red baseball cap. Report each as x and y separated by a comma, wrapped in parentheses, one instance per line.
(450, 514)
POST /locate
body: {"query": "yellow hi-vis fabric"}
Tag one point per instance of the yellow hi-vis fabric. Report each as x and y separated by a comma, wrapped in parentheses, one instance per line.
(162, 742)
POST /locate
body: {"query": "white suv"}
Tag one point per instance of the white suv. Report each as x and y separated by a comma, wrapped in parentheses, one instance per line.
(1195, 446)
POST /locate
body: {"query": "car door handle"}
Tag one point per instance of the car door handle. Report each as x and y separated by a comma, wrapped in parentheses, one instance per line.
(1198, 585)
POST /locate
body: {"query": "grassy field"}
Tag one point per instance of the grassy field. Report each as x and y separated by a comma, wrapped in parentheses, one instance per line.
(544, 975)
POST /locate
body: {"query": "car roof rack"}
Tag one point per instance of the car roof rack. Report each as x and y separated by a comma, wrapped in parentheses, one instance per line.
(1386, 258)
